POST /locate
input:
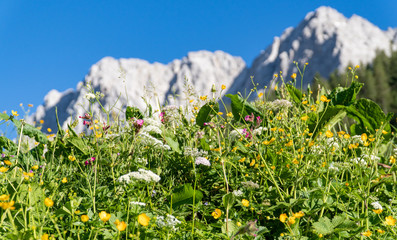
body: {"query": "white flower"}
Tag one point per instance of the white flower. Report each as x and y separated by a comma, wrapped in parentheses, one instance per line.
(259, 131)
(151, 129)
(236, 133)
(90, 96)
(141, 160)
(359, 161)
(142, 174)
(152, 122)
(202, 161)
(332, 167)
(280, 103)
(138, 203)
(238, 193)
(149, 140)
(376, 205)
(170, 221)
(194, 152)
(250, 184)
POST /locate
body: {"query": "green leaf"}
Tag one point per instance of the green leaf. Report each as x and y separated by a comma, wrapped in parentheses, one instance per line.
(295, 94)
(7, 144)
(30, 131)
(228, 200)
(369, 116)
(173, 144)
(133, 112)
(79, 144)
(184, 195)
(204, 144)
(4, 116)
(323, 226)
(345, 96)
(206, 113)
(241, 108)
(231, 226)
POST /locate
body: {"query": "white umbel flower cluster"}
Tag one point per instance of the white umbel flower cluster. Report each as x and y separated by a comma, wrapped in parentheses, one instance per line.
(376, 205)
(147, 139)
(238, 193)
(89, 96)
(194, 152)
(202, 161)
(280, 103)
(141, 175)
(169, 221)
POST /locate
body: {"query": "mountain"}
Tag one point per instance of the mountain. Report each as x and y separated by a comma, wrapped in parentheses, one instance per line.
(325, 39)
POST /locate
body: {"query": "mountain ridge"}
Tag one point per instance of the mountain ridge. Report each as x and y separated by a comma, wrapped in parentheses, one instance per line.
(325, 39)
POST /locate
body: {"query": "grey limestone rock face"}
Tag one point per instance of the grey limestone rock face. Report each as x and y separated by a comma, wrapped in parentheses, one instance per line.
(325, 39)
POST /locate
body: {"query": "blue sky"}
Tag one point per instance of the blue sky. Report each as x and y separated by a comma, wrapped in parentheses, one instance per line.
(51, 44)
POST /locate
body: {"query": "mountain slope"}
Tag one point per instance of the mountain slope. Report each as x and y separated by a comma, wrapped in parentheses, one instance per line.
(325, 39)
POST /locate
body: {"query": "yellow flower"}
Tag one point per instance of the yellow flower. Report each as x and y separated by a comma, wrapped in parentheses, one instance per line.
(35, 167)
(121, 226)
(275, 75)
(392, 160)
(295, 161)
(245, 202)
(304, 118)
(291, 220)
(323, 98)
(4, 197)
(380, 231)
(329, 134)
(30, 105)
(223, 87)
(85, 218)
(44, 236)
(104, 216)
(203, 98)
(293, 75)
(367, 233)
(377, 211)
(3, 169)
(384, 132)
(252, 163)
(357, 66)
(72, 158)
(273, 167)
(7, 205)
(260, 95)
(283, 217)
(7, 162)
(14, 113)
(48, 202)
(143, 219)
(64, 180)
(41, 121)
(298, 214)
(216, 213)
(220, 113)
(390, 221)
(229, 114)
(49, 130)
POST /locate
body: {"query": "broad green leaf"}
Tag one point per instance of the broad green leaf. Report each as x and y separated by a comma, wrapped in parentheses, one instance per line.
(204, 144)
(30, 131)
(133, 112)
(295, 94)
(345, 96)
(185, 195)
(206, 112)
(323, 226)
(231, 227)
(241, 108)
(7, 144)
(173, 144)
(79, 144)
(368, 115)
(228, 200)
(4, 117)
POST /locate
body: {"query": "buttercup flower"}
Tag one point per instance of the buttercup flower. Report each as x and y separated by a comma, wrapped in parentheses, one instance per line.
(216, 213)
(245, 202)
(48, 202)
(283, 217)
(84, 218)
(390, 221)
(143, 219)
(121, 226)
(104, 216)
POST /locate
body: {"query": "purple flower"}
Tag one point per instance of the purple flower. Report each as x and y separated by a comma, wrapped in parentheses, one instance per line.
(93, 159)
(3, 155)
(86, 116)
(249, 118)
(258, 120)
(247, 133)
(87, 163)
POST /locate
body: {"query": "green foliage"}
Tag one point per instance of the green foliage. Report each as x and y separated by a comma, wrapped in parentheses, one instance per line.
(206, 113)
(241, 108)
(133, 112)
(185, 194)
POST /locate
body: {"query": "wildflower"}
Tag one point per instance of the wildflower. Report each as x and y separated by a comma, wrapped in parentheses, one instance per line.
(89, 96)
(4, 197)
(84, 218)
(41, 121)
(250, 184)
(143, 219)
(380, 231)
(273, 167)
(357, 66)
(384, 132)
(376, 205)
(223, 87)
(291, 220)
(280, 103)
(377, 211)
(216, 213)
(14, 113)
(249, 118)
(367, 233)
(3, 169)
(392, 159)
(7, 205)
(45, 236)
(203, 98)
(104, 216)
(138, 203)
(295, 161)
(260, 95)
(142, 174)
(202, 161)
(323, 98)
(7, 162)
(390, 221)
(168, 221)
(293, 76)
(64, 180)
(121, 226)
(35, 167)
(245, 202)
(229, 114)
(283, 217)
(329, 134)
(48, 202)
(298, 214)
(304, 118)
(237, 193)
